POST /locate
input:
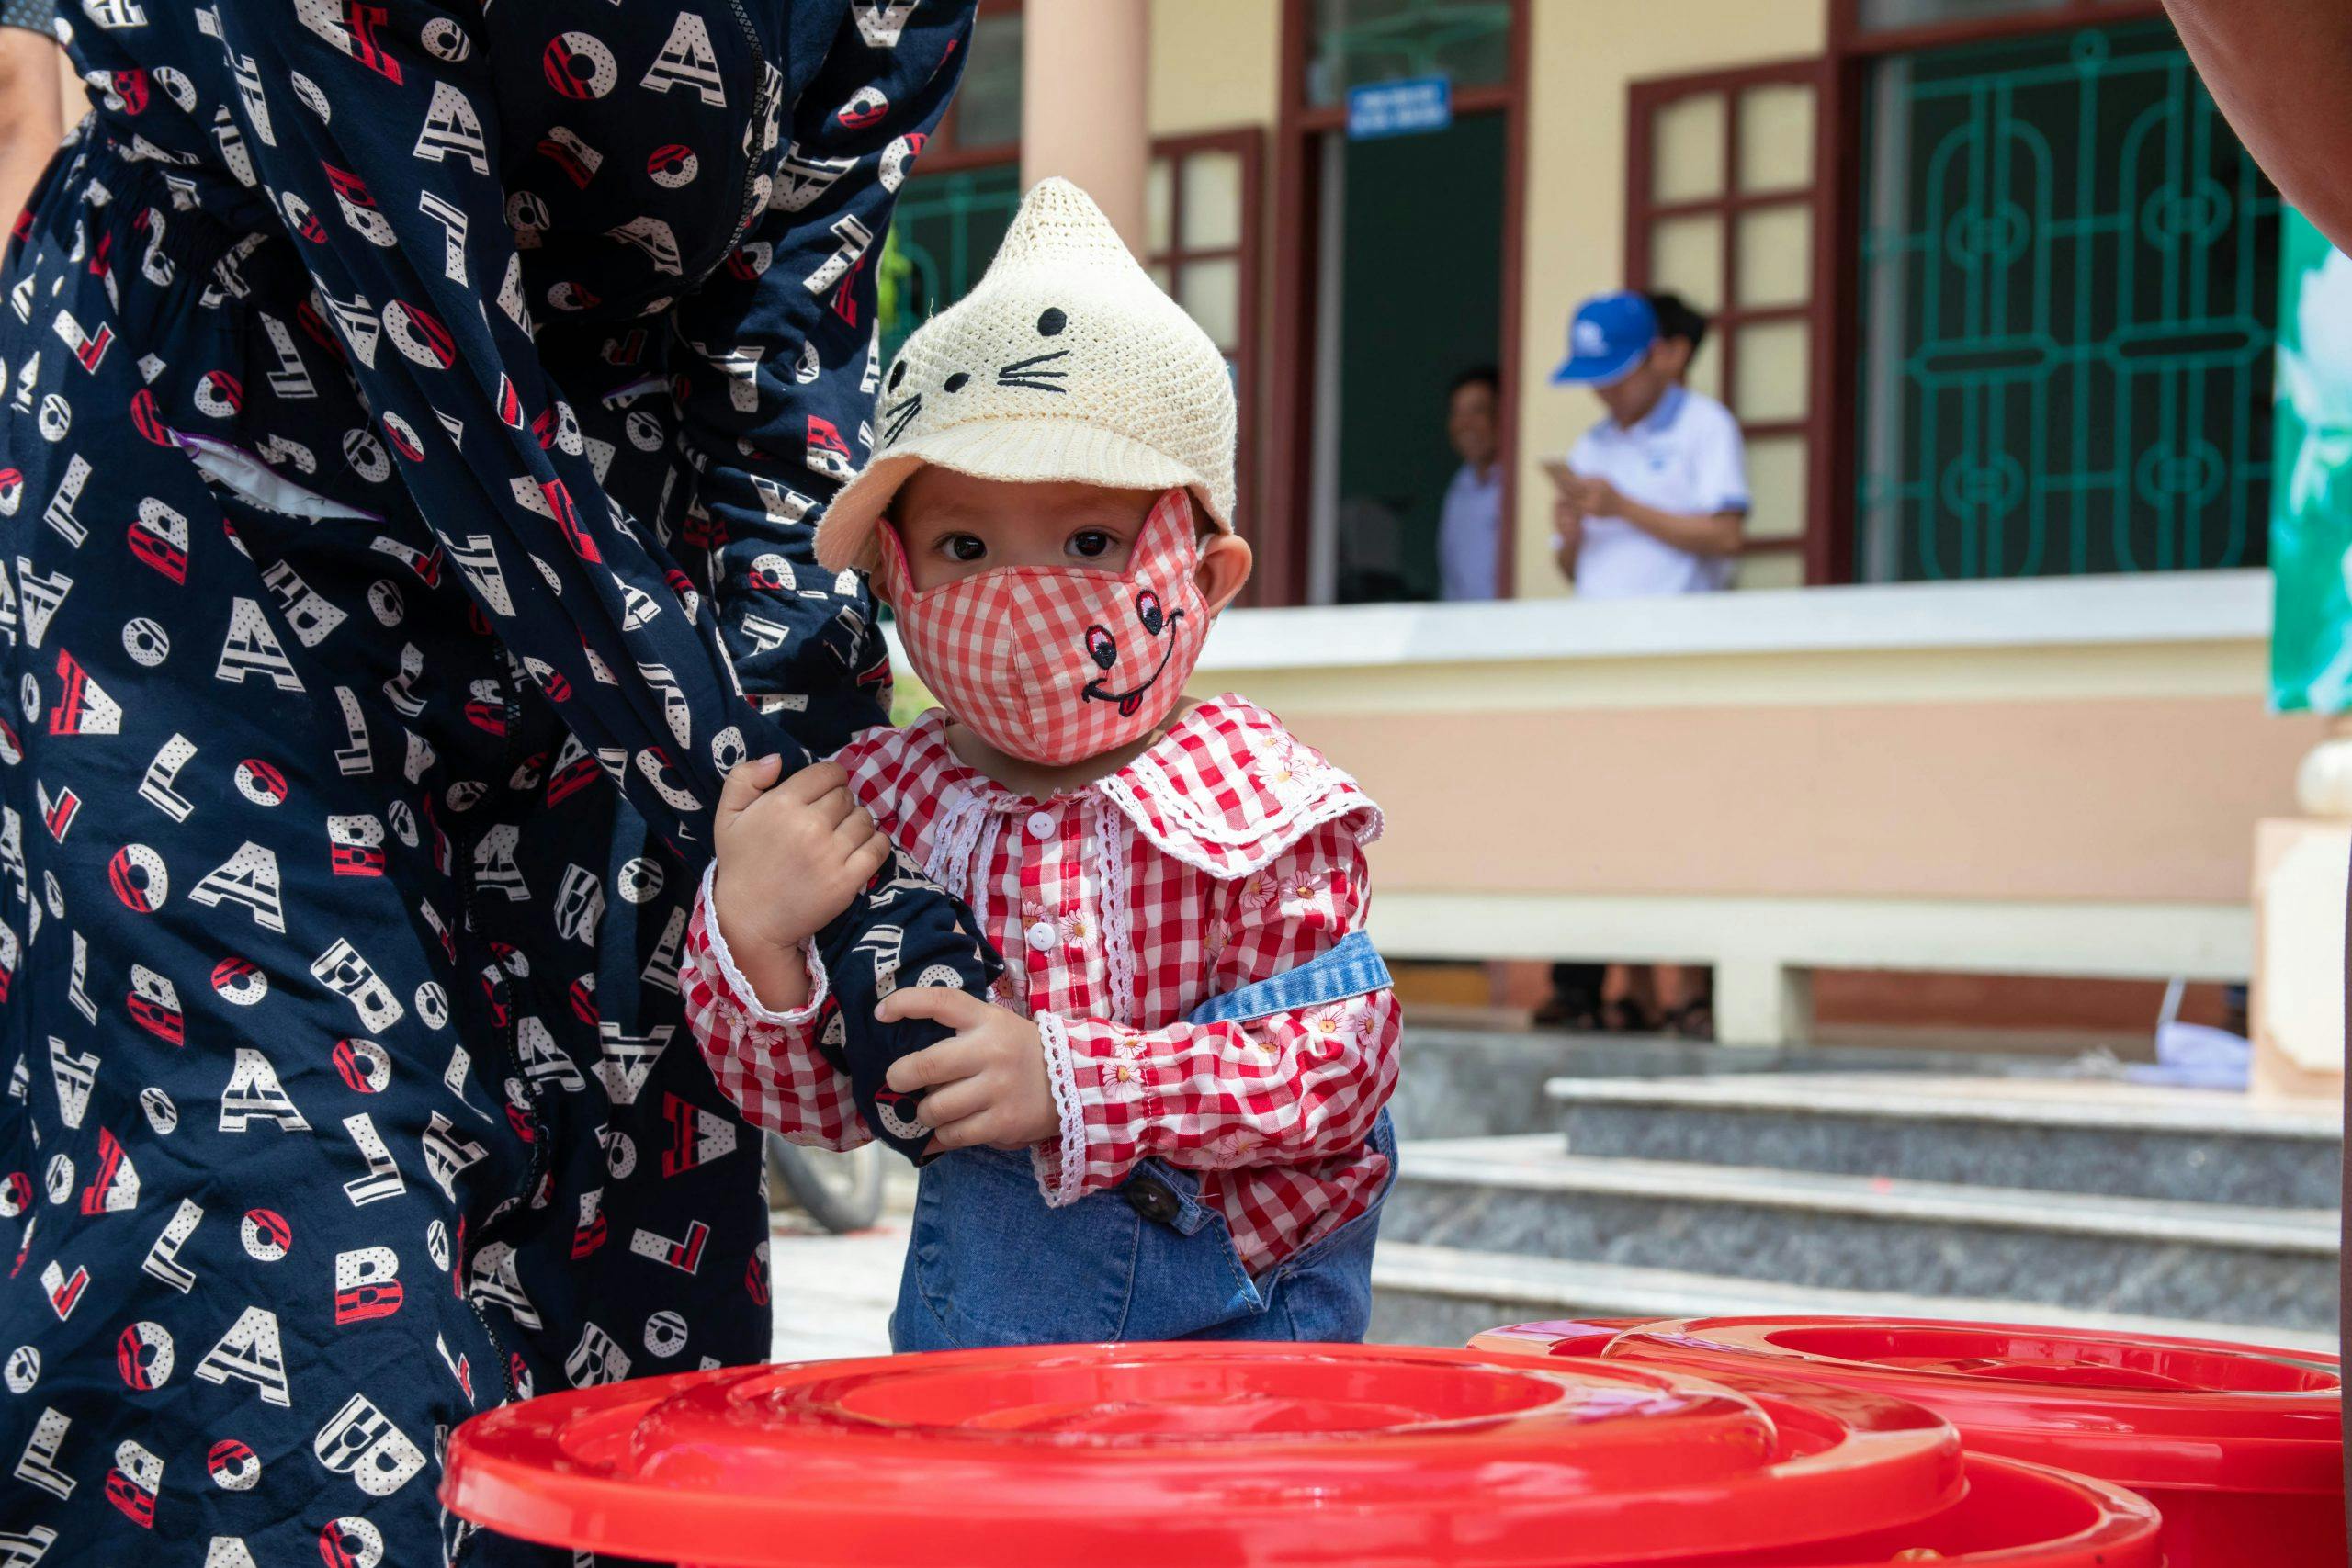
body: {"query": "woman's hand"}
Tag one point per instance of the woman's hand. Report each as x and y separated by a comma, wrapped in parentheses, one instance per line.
(986, 1084)
(792, 857)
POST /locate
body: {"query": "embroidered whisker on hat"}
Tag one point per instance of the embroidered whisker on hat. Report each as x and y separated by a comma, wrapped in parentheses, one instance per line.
(1064, 363)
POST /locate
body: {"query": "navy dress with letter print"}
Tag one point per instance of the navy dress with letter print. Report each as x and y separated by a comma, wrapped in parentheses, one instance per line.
(413, 416)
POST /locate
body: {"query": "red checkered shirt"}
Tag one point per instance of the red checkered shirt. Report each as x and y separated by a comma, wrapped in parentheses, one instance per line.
(1227, 853)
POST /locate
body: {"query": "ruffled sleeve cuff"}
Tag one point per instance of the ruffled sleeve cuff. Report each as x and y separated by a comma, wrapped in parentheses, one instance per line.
(735, 988)
(1061, 1165)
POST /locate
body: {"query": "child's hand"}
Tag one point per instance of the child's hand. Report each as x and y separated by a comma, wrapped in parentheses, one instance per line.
(791, 857)
(987, 1082)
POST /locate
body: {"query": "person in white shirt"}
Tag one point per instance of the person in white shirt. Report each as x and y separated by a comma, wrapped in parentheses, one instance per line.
(1471, 521)
(1652, 499)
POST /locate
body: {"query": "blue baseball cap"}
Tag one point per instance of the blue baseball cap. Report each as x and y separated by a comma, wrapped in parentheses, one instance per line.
(1607, 339)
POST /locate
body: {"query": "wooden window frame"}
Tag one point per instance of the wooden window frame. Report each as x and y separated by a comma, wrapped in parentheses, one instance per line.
(1248, 144)
(1848, 39)
(1285, 502)
(1833, 314)
(944, 153)
(1644, 100)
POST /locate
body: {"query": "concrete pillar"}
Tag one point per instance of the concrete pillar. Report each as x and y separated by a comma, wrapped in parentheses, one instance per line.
(1760, 1002)
(1084, 82)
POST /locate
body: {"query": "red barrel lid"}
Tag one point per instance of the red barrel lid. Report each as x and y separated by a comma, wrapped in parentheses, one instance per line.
(1178, 1455)
(2016, 1515)
(2141, 1409)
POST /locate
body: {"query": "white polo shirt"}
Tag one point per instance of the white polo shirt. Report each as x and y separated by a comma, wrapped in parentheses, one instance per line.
(1685, 457)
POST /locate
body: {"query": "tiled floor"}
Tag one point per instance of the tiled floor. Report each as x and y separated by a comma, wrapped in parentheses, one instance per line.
(834, 1292)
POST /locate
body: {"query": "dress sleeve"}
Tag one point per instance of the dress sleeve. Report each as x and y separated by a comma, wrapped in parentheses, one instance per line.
(1286, 1088)
(779, 369)
(770, 1064)
(382, 156)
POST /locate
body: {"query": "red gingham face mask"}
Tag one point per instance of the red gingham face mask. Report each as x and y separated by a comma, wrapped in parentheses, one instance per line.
(1056, 664)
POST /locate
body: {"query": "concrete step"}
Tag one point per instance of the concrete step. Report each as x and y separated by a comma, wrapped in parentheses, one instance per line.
(1462, 1083)
(2121, 1140)
(1443, 1295)
(2269, 1267)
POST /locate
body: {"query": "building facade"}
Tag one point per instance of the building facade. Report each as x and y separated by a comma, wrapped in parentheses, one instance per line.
(1995, 287)
(1995, 293)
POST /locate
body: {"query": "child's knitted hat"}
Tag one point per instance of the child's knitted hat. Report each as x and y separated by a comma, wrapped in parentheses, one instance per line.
(1066, 362)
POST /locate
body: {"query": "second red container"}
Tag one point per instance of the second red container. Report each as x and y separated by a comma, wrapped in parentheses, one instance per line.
(2240, 1448)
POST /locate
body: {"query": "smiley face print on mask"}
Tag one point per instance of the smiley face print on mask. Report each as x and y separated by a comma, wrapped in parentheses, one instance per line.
(1056, 664)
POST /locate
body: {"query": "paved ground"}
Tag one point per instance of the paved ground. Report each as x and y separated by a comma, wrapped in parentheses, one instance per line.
(834, 1292)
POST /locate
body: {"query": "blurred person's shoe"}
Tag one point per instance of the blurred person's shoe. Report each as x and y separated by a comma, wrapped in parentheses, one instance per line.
(1577, 1015)
(1693, 1021)
(1626, 1016)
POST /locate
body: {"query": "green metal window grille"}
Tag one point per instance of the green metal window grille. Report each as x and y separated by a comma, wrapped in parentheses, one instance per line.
(943, 235)
(2069, 293)
(1358, 42)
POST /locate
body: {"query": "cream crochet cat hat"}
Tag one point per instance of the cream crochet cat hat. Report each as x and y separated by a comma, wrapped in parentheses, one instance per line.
(1066, 362)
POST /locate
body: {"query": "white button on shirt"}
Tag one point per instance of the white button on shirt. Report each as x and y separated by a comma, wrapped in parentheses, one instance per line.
(1041, 935)
(1041, 825)
(1684, 457)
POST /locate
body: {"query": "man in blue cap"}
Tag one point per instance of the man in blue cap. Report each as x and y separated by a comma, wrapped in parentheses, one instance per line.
(1651, 502)
(1653, 498)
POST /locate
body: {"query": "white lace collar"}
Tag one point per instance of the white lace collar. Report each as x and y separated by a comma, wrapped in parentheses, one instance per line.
(1226, 790)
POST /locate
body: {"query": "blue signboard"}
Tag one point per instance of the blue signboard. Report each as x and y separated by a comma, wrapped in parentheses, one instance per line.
(1399, 109)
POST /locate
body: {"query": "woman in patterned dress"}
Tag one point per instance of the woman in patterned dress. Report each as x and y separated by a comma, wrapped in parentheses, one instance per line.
(412, 419)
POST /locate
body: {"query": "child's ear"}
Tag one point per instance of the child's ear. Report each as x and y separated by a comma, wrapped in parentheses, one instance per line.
(1223, 571)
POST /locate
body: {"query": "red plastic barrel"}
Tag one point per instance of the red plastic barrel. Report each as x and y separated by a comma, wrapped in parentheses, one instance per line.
(2240, 1448)
(1215, 1456)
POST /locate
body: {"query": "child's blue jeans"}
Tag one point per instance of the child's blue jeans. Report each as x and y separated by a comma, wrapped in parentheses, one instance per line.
(990, 1264)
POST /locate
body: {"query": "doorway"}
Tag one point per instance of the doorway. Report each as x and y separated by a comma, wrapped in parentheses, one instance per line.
(1408, 297)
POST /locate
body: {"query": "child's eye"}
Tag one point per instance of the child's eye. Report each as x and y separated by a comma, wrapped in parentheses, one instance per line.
(963, 548)
(1090, 544)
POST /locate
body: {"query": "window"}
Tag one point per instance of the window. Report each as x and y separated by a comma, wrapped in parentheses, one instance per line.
(943, 235)
(2068, 286)
(988, 102)
(954, 209)
(1357, 41)
(1889, 16)
(1200, 206)
(1723, 209)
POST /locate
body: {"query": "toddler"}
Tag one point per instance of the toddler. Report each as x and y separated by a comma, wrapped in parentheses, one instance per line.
(1169, 1123)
